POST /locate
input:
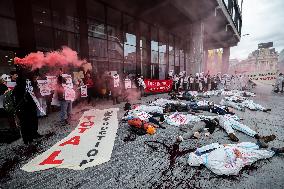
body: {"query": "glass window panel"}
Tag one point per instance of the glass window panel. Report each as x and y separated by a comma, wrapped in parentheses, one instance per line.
(8, 32)
(64, 14)
(144, 69)
(7, 8)
(130, 39)
(130, 54)
(97, 47)
(171, 60)
(129, 24)
(154, 57)
(41, 12)
(95, 10)
(44, 37)
(162, 71)
(177, 70)
(62, 38)
(113, 17)
(177, 61)
(115, 50)
(115, 65)
(96, 29)
(171, 45)
(143, 53)
(163, 57)
(155, 71)
(129, 68)
(154, 46)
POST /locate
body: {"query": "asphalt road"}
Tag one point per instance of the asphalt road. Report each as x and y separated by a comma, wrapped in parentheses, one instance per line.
(136, 163)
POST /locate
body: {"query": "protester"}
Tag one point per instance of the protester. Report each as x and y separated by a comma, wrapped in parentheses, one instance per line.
(65, 105)
(229, 159)
(14, 76)
(26, 111)
(88, 81)
(141, 85)
(36, 90)
(115, 89)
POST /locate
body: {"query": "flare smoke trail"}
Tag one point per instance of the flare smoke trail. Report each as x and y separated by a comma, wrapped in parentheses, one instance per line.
(62, 57)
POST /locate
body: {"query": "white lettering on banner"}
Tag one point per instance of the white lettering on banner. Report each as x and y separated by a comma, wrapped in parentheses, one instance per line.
(44, 87)
(69, 94)
(92, 140)
(84, 91)
(268, 77)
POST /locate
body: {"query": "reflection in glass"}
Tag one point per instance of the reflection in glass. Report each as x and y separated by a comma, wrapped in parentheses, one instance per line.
(97, 47)
(115, 50)
(129, 54)
(96, 29)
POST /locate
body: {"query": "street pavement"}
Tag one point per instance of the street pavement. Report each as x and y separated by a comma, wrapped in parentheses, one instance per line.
(137, 163)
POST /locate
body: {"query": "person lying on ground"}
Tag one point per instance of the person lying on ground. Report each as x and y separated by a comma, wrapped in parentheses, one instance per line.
(141, 124)
(211, 107)
(207, 125)
(148, 117)
(229, 159)
(229, 123)
(242, 103)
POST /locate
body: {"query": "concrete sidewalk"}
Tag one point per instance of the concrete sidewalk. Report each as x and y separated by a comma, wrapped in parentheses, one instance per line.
(134, 164)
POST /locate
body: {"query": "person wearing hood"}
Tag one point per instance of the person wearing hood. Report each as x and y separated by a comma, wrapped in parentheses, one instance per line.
(229, 159)
(26, 112)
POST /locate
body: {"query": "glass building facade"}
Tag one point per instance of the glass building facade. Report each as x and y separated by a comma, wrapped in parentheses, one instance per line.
(116, 41)
(108, 37)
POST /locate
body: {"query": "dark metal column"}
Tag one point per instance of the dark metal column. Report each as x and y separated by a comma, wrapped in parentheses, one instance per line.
(83, 28)
(25, 27)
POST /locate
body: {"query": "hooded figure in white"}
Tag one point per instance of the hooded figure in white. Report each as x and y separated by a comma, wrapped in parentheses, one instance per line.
(228, 159)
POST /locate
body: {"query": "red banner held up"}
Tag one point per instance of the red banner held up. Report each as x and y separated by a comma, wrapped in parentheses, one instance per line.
(158, 86)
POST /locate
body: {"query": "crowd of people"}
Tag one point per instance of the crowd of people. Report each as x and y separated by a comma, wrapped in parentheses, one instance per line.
(204, 82)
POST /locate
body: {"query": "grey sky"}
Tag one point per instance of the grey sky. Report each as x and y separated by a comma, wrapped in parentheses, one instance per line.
(264, 21)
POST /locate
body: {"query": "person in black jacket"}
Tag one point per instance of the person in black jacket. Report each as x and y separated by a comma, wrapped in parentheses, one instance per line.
(26, 112)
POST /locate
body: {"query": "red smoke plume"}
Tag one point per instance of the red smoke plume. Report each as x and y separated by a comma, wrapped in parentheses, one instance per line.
(63, 57)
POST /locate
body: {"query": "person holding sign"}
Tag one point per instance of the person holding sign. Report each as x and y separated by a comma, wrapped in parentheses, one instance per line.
(26, 111)
(89, 82)
(65, 105)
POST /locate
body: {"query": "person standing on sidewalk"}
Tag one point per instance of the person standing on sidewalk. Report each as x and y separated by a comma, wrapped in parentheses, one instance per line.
(88, 80)
(65, 105)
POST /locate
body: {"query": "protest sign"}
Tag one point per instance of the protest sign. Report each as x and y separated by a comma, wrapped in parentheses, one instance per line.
(69, 94)
(52, 81)
(84, 91)
(92, 140)
(266, 77)
(127, 83)
(11, 85)
(158, 86)
(44, 87)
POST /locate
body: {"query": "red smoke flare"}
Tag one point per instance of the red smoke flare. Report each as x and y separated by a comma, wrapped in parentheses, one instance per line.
(63, 57)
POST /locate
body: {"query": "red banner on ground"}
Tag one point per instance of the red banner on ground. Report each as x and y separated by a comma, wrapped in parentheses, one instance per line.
(158, 86)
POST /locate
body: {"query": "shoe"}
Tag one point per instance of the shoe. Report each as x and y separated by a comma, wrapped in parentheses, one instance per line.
(277, 150)
(268, 138)
(233, 137)
(261, 143)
